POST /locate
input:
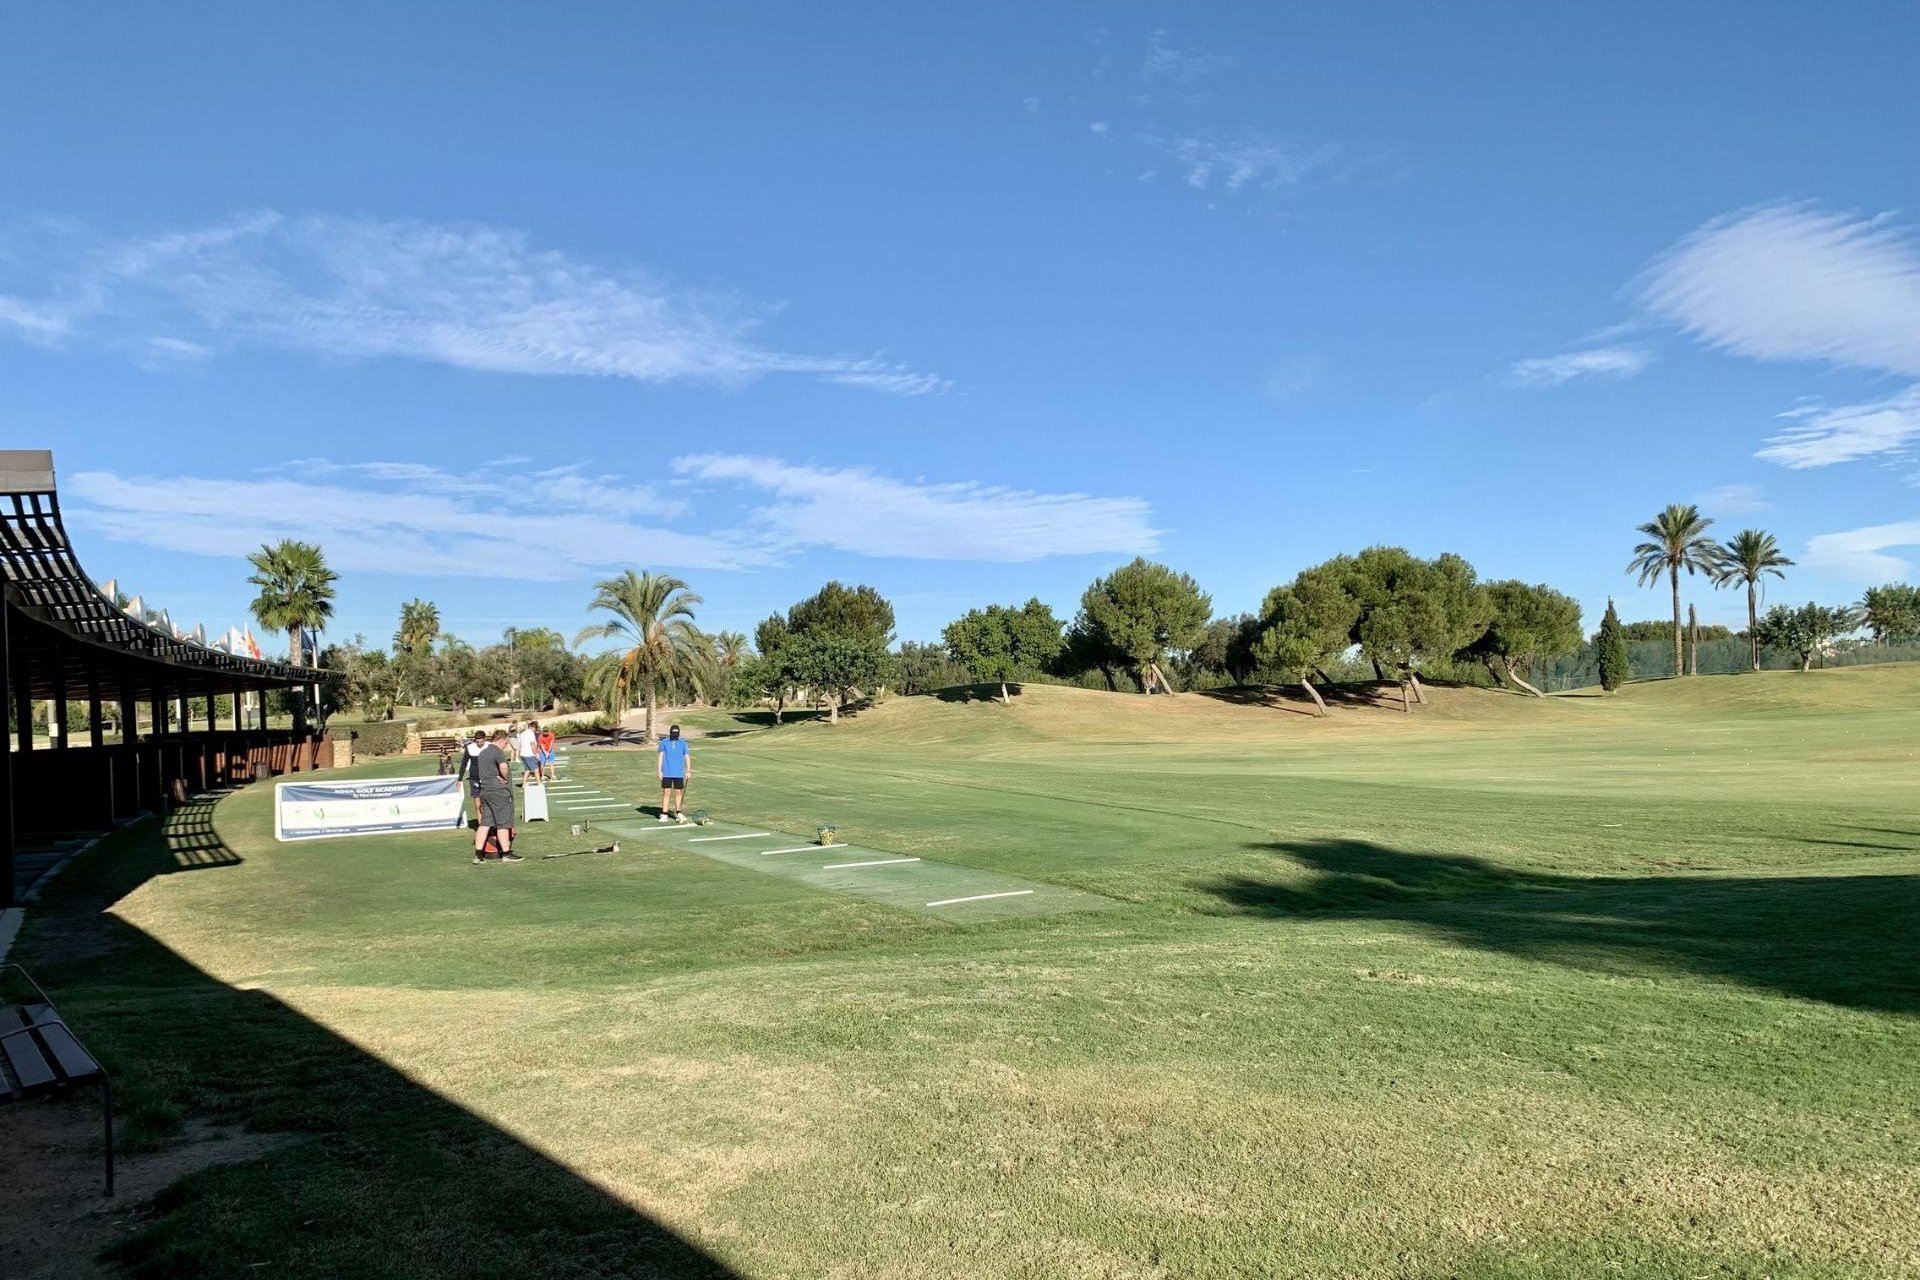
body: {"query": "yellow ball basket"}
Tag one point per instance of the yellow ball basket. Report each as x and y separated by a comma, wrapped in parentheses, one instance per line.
(825, 834)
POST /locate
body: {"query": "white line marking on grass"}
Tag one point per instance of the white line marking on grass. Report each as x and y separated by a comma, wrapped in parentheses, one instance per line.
(799, 848)
(751, 835)
(980, 897)
(572, 805)
(882, 862)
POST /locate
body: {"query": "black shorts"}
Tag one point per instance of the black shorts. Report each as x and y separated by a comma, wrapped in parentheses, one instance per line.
(496, 808)
(473, 786)
(673, 784)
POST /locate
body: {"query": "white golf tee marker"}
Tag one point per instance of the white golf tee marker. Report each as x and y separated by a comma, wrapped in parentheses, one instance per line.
(981, 897)
(799, 848)
(749, 835)
(879, 862)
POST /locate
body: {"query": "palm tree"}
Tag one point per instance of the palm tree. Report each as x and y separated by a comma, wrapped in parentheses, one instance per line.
(296, 590)
(654, 613)
(419, 625)
(1749, 556)
(608, 683)
(732, 648)
(1678, 541)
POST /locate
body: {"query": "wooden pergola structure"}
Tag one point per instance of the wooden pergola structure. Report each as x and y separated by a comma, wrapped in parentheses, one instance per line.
(64, 642)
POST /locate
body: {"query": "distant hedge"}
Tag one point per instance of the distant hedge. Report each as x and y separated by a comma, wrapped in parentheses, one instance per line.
(380, 738)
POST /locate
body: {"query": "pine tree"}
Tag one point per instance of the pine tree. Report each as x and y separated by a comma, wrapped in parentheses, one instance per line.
(1612, 644)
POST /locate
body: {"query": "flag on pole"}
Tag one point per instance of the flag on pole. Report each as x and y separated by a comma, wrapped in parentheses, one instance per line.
(252, 645)
(136, 610)
(110, 588)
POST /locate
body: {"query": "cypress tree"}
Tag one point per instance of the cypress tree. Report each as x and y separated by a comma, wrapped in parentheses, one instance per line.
(1612, 644)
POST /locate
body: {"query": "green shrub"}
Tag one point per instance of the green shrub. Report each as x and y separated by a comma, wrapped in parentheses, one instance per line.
(380, 738)
(599, 723)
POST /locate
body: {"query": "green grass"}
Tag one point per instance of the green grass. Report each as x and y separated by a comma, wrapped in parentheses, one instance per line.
(1589, 987)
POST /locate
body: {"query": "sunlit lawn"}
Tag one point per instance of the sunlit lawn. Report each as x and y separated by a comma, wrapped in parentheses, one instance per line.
(1582, 988)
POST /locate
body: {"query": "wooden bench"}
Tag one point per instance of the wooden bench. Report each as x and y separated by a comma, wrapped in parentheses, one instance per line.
(38, 1054)
(434, 744)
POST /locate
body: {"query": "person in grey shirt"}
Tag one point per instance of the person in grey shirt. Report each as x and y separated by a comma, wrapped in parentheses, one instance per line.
(496, 800)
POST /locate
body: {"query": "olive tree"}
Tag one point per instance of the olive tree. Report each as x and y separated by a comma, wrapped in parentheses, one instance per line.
(834, 667)
(1809, 630)
(996, 643)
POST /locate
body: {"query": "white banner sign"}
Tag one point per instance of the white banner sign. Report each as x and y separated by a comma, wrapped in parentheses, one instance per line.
(319, 810)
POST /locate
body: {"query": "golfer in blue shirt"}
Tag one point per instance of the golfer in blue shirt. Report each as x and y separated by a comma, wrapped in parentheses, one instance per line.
(675, 765)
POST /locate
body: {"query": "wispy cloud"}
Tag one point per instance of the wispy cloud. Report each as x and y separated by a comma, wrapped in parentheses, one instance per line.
(1596, 362)
(1734, 500)
(45, 324)
(861, 510)
(1294, 374)
(1166, 60)
(1249, 162)
(474, 297)
(510, 521)
(1825, 434)
(399, 518)
(1860, 555)
(1795, 282)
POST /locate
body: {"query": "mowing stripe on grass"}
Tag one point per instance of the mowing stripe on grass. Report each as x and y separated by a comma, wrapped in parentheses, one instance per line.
(981, 897)
(878, 862)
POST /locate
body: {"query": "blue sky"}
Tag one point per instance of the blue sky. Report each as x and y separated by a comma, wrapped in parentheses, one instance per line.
(969, 303)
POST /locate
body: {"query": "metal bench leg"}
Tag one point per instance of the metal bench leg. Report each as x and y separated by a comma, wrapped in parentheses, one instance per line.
(106, 1087)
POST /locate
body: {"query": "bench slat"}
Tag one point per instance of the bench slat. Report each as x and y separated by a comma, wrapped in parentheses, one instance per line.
(35, 1014)
(30, 1066)
(75, 1063)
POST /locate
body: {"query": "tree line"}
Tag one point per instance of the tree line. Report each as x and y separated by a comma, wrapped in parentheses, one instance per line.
(1381, 611)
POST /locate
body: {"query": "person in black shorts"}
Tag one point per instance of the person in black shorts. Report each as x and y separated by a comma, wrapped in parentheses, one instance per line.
(675, 768)
(496, 801)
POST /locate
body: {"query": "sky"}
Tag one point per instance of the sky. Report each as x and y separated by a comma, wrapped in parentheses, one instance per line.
(969, 302)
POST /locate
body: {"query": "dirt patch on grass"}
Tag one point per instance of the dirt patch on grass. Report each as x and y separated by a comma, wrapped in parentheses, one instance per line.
(58, 1220)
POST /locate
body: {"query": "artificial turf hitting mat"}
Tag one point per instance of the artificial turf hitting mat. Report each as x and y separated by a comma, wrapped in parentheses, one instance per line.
(910, 882)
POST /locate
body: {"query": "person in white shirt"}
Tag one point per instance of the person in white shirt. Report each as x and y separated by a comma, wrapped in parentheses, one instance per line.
(527, 744)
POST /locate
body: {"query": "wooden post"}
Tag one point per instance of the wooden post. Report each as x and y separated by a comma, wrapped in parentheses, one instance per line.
(6, 762)
(99, 736)
(129, 758)
(57, 726)
(22, 693)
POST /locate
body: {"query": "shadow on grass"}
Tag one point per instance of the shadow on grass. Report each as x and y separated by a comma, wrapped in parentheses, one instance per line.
(395, 1179)
(1290, 697)
(1843, 939)
(975, 692)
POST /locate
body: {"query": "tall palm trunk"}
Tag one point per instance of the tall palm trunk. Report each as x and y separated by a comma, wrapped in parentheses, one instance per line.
(293, 644)
(1753, 625)
(652, 697)
(1679, 669)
